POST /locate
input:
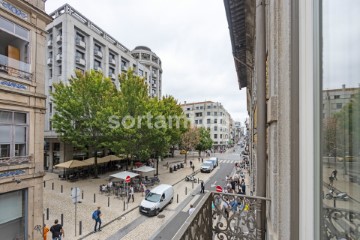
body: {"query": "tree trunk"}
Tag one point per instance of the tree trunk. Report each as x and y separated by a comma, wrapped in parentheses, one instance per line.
(185, 157)
(96, 165)
(157, 164)
(199, 153)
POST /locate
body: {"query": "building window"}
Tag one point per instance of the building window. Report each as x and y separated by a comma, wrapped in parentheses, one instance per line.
(50, 126)
(97, 65)
(200, 121)
(60, 70)
(221, 121)
(208, 121)
(209, 106)
(196, 121)
(50, 89)
(199, 114)
(201, 107)
(215, 136)
(208, 113)
(215, 120)
(50, 108)
(79, 54)
(13, 134)
(215, 128)
(215, 113)
(197, 108)
(50, 72)
(339, 151)
(187, 115)
(187, 109)
(56, 147)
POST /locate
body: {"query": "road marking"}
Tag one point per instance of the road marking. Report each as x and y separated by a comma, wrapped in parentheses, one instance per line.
(187, 207)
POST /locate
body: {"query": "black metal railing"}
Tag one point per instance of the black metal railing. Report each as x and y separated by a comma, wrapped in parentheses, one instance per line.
(224, 216)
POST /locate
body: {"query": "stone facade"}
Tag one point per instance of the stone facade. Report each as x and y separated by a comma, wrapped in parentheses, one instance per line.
(22, 111)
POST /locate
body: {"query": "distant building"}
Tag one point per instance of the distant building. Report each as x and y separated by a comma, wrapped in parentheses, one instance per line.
(212, 116)
(335, 99)
(76, 43)
(22, 112)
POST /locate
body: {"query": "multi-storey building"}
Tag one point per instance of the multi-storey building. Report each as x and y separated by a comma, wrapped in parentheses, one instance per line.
(76, 43)
(148, 58)
(22, 112)
(212, 116)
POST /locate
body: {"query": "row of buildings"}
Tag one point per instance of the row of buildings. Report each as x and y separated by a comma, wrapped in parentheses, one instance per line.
(36, 51)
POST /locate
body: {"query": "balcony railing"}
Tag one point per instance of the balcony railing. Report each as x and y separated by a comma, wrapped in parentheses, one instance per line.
(10, 161)
(211, 221)
(15, 68)
(341, 223)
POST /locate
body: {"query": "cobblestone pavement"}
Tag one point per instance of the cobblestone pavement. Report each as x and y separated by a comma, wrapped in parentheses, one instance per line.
(114, 216)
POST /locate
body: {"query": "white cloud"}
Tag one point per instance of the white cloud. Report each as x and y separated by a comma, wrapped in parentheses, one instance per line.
(191, 38)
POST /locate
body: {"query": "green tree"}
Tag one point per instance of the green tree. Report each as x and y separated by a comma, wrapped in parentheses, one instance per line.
(205, 141)
(189, 140)
(81, 109)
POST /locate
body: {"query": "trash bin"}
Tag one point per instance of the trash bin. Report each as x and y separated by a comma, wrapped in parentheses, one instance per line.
(174, 167)
(171, 169)
(178, 166)
(181, 165)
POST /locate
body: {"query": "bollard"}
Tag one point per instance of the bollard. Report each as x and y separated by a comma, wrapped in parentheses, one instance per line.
(47, 214)
(124, 205)
(185, 190)
(52, 186)
(192, 183)
(177, 198)
(61, 188)
(80, 227)
(108, 201)
(198, 180)
(82, 194)
(94, 197)
(44, 184)
(43, 219)
(62, 219)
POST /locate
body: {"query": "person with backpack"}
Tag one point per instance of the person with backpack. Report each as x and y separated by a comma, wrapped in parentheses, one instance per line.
(97, 217)
(57, 231)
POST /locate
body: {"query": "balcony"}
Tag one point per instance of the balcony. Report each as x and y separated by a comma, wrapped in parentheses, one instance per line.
(11, 161)
(80, 61)
(59, 38)
(59, 57)
(209, 221)
(15, 68)
(341, 223)
(80, 43)
(98, 53)
(49, 61)
(49, 44)
(112, 61)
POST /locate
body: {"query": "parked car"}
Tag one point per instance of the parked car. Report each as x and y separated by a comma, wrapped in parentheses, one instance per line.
(215, 161)
(157, 199)
(207, 167)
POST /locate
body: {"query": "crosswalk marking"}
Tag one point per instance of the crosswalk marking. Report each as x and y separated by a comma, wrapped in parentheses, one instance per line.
(228, 161)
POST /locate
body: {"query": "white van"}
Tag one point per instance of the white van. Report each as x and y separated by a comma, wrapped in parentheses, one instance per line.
(215, 161)
(157, 199)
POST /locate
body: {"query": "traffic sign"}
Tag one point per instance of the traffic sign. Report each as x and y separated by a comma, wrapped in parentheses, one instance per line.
(127, 179)
(219, 188)
(75, 194)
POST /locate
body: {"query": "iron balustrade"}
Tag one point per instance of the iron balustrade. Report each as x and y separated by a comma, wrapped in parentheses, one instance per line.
(15, 68)
(210, 221)
(17, 160)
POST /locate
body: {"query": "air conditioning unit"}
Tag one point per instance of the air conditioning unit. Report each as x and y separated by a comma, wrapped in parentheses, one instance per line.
(59, 57)
(98, 53)
(112, 61)
(80, 61)
(123, 68)
(49, 61)
(80, 43)
(59, 38)
(49, 43)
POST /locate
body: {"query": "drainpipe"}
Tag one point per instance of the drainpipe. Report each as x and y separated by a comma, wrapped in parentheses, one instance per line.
(260, 49)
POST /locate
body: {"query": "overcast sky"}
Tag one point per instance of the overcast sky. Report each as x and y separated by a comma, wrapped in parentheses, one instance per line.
(190, 36)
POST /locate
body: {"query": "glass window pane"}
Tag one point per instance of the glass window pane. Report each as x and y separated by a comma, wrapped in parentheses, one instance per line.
(4, 150)
(20, 118)
(340, 143)
(5, 136)
(5, 117)
(20, 149)
(22, 32)
(20, 134)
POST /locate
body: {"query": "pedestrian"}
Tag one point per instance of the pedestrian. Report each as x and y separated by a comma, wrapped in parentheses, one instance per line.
(191, 163)
(243, 186)
(199, 159)
(226, 208)
(202, 187)
(202, 160)
(131, 193)
(193, 168)
(333, 174)
(45, 231)
(97, 217)
(192, 209)
(57, 230)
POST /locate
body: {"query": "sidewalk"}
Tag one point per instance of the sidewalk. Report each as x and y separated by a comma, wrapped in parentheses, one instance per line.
(61, 203)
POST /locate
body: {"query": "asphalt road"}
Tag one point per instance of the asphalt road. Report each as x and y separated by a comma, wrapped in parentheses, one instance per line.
(225, 168)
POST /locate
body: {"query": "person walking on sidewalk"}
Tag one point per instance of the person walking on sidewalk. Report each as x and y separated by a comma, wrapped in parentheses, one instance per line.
(192, 209)
(97, 217)
(243, 186)
(57, 231)
(131, 193)
(202, 187)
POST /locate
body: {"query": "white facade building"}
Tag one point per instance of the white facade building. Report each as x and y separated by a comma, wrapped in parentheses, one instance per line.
(76, 43)
(213, 116)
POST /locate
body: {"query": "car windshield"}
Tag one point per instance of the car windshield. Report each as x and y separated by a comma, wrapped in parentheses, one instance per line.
(152, 197)
(208, 162)
(207, 165)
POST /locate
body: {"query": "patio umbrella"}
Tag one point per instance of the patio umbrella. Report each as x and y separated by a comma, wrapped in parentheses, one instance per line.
(72, 164)
(144, 169)
(91, 161)
(110, 158)
(122, 175)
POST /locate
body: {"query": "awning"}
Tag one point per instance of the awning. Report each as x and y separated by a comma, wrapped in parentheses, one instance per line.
(112, 158)
(91, 161)
(144, 169)
(122, 175)
(72, 164)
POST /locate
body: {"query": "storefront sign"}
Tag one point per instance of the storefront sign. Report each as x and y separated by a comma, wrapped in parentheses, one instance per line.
(12, 173)
(13, 9)
(12, 84)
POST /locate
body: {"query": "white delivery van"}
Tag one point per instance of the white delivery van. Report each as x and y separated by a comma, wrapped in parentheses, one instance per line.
(215, 161)
(157, 199)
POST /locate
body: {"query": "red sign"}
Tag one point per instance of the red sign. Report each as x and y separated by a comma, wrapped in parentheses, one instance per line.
(219, 188)
(127, 179)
